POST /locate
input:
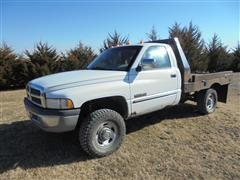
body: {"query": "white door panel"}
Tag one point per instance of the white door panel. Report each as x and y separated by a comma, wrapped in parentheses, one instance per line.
(156, 85)
(152, 90)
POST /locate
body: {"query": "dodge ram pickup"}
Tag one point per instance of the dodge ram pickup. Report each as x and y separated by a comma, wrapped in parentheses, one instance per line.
(121, 83)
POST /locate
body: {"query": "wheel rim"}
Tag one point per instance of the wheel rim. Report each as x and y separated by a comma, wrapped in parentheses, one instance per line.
(211, 102)
(106, 134)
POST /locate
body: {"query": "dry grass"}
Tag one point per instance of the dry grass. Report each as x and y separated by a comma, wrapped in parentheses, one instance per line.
(175, 143)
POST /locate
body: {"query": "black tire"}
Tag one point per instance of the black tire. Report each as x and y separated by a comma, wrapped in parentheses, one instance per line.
(102, 132)
(207, 101)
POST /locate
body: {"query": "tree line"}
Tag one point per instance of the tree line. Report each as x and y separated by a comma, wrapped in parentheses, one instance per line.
(17, 70)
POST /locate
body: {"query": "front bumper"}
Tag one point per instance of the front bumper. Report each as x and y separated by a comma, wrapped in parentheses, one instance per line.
(52, 120)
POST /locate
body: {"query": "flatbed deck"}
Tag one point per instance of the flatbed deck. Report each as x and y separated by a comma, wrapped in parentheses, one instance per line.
(203, 81)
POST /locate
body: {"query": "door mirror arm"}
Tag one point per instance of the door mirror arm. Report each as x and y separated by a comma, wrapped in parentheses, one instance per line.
(139, 68)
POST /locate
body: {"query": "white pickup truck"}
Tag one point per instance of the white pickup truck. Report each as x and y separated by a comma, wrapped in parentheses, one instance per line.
(121, 83)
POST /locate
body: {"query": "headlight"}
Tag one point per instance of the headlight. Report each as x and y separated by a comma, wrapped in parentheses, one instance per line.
(59, 103)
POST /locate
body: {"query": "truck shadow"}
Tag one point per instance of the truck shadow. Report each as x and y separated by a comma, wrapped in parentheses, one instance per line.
(25, 146)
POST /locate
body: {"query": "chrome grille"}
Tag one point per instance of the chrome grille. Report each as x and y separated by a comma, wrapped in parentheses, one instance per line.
(35, 92)
(36, 100)
(35, 95)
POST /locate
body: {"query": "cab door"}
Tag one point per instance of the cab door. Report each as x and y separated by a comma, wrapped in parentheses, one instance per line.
(155, 85)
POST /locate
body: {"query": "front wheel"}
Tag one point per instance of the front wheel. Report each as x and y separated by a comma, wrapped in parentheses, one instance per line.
(102, 132)
(207, 101)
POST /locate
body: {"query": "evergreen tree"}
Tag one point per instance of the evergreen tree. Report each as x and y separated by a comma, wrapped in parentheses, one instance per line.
(114, 39)
(152, 35)
(176, 31)
(235, 66)
(20, 73)
(7, 58)
(32, 72)
(14, 72)
(43, 57)
(79, 57)
(218, 56)
(192, 43)
(60, 65)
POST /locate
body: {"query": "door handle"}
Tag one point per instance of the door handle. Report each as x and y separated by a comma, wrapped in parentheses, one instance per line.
(173, 75)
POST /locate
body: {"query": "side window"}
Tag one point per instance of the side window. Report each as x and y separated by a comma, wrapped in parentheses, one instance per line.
(155, 57)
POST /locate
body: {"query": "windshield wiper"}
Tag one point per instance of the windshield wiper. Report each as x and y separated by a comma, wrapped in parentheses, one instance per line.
(101, 68)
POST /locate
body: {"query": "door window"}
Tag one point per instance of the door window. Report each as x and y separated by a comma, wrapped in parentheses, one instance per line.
(155, 57)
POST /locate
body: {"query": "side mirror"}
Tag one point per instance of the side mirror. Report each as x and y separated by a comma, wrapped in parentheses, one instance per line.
(147, 61)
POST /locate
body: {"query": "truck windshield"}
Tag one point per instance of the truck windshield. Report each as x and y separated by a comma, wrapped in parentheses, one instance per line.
(115, 59)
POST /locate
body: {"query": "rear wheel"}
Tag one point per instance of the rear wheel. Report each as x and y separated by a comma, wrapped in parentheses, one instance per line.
(207, 101)
(102, 132)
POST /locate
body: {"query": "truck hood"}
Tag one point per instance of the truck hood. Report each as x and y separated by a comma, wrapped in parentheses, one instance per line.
(76, 78)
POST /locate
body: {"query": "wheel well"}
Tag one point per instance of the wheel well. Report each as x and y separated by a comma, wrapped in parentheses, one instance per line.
(222, 91)
(116, 103)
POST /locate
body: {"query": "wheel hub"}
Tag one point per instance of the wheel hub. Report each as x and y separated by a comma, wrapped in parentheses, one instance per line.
(210, 102)
(105, 134)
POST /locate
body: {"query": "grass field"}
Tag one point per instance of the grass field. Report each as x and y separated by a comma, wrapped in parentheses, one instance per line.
(174, 143)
